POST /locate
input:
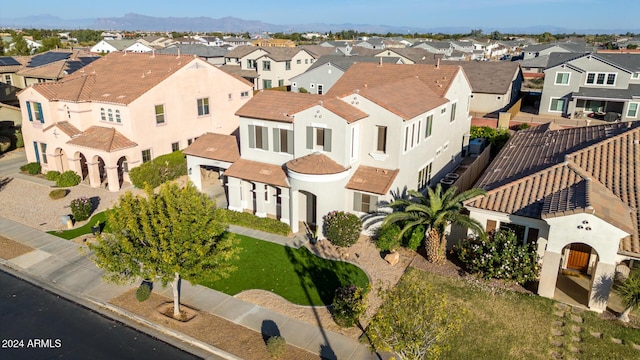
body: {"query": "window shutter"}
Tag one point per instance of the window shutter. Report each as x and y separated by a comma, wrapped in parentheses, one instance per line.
(327, 140)
(252, 137)
(532, 236)
(357, 201)
(290, 142)
(265, 139)
(309, 137)
(276, 140)
(491, 225)
(40, 111)
(374, 203)
(29, 110)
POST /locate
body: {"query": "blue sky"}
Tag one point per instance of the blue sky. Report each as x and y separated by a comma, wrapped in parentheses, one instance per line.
(484, 14)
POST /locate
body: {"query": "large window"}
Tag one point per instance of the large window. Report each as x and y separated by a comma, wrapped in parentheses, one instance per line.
(287, 65)
(266, 65)
(428, 126)
(562, 78)
(266, 84)
(454, 106)
(258, 137)
(364, 202)
(382, 139)
(424, 177)
(43, 151)
(632, 111)
(146, 155)
(283, 141)
(594, 78)
(159, 109)
(557, 104)
(37, 112)
(251, 64)
(203, 106)
(318, 138)
(412, 135)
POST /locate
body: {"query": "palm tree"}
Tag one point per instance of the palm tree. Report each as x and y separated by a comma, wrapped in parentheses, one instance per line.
(630, 293)
(435, 212)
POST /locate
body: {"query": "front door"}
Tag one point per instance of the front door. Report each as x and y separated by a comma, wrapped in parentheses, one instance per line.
(579, 257)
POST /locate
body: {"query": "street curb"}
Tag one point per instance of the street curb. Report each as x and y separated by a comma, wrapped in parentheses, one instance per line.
(169, 336)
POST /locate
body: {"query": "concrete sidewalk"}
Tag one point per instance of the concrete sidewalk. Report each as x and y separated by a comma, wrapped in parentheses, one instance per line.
(63, 266)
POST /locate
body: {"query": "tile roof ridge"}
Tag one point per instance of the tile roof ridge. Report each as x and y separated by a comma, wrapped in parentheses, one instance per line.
(632, 127)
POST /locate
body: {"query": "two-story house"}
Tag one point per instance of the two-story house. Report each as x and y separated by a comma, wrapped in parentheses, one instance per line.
(125, 109)
(602, 86)
(380, 128)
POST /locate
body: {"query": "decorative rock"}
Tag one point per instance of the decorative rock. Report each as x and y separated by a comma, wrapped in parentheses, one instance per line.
(392, 258)
(559, 313)
(577, 310)
(556, 355)
(556, 332)
(577, 319)
(558, 323)
(596, 335)
(576, 339)
(556, 343)
(574, 349)
(561, 306)
(576, 328)
(616, 341)
(635, 346)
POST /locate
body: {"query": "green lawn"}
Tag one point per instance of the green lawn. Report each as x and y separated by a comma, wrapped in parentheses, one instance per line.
(84, 229)
(501, 324)
(295, 274)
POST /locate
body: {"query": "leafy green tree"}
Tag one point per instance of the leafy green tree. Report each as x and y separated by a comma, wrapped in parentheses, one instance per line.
(435, 212)
(1, 47)
(164, 236)
(630, 293)
(50, 43)
(20, 46)
(414, 320)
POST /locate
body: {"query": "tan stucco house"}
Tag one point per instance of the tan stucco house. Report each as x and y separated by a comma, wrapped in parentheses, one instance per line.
(125, 109)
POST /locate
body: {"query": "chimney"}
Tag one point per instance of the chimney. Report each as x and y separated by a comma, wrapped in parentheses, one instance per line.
(438, 63)
(380, 60)
(153, 53)
(178, 52)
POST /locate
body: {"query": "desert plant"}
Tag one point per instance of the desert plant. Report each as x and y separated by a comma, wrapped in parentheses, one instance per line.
(415, 239)
(58, 194)
(630, 293)
(349, 302)
(342, 228)
(276, 347)
(5, 144)
(501, 256)
(67, 179)
(52, 175)
(33, 168)
(81, 208)
(387, 238)
(143, 292)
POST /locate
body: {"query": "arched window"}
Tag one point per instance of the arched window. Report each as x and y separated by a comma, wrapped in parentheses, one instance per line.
(102, 115)
(110, 115)
(118, 120)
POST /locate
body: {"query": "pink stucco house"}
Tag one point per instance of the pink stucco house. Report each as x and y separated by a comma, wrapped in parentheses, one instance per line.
(126, 109)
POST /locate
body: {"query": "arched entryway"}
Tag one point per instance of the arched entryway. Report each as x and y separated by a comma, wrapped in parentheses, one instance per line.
(101, 169)
(307, 205)
(84, 168)
(62, 162)
(123, 167)
(575, 283)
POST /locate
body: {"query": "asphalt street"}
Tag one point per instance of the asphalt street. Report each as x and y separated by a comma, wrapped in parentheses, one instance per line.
(36, 324)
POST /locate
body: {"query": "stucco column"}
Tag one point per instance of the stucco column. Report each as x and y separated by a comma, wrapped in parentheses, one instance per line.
(94, 174)
(284, 206)
(112, 178)
(194, 171)
(549, 274)
(234, 186)
(74, 164)
(601, 282)
(260, 203)
(293, 210)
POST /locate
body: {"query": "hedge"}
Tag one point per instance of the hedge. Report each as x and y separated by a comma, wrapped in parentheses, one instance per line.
(251, 221)
(159, 170)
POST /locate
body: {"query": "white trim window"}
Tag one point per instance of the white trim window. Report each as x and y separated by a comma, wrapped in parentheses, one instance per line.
(424, 177)
(258, 137)
(203, 106)
(557, 105)
(562, 78)
(635, 75)
(412, 135)
(428, 126)
(159, 111)
(601, 78)
(632, 110)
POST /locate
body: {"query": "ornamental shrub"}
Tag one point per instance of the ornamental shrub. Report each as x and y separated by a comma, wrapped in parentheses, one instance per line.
(143, 292)
(81, 208)
(501, 256)
(349, 302)
(387, 237)
(52, 175)
(276, 346)
(414, 239)
(251, 221)
(58, 194)
(32, 168)
(159, 170)
(342, 228)
(67, 179)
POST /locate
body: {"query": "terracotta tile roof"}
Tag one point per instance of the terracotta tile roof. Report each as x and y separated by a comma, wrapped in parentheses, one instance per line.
(407, 98)
(370, 75)
(544, 173)
(372, 180)
(315, 164)
(102, 138)
(282, 106)
(216, 147)
(118, 77)
(257, 171)
(65, 127)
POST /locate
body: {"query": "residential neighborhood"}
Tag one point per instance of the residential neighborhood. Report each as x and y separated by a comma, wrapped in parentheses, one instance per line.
(308, 185)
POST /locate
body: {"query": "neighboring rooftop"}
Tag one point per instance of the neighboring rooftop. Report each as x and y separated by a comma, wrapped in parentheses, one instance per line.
(215, 147)
(489, 77)
(371, 179)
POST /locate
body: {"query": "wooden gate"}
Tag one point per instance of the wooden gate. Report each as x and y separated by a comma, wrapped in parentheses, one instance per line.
(579, 257)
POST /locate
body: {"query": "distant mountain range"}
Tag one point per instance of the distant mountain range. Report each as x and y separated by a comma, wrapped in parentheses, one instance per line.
(134, 22)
